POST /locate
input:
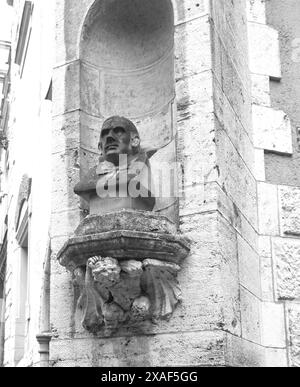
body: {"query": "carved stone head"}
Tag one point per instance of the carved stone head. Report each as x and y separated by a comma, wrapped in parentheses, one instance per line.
(119, 182)
(119, 136)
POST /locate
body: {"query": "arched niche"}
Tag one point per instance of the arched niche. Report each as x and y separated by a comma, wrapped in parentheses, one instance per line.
(127, 68)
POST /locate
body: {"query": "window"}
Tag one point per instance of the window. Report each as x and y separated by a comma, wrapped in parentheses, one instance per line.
(24, 35)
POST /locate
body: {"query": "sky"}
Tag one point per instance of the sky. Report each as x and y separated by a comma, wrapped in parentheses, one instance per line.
(5, 15)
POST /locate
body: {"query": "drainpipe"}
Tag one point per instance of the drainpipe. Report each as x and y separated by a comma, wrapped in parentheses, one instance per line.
(45, 336)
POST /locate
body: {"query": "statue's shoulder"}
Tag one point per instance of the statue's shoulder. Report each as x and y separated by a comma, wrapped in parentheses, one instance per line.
(88, 183)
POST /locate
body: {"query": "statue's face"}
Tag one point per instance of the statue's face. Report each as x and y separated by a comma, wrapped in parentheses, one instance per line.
(115, 141)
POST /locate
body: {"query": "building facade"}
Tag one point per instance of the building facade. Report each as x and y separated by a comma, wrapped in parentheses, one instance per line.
(212, 84)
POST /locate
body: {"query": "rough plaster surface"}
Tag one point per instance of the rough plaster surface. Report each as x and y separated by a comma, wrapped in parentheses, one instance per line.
(293, 312)
(284, 16)
(289, 205)
(287, 268)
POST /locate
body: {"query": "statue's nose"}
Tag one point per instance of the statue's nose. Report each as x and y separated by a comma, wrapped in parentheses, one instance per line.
(110, 138)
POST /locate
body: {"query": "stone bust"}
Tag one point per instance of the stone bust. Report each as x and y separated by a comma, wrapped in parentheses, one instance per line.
(119, 136)
(122, 179)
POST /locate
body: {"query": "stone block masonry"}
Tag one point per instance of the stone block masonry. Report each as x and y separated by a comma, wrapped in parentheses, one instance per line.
(278, 213)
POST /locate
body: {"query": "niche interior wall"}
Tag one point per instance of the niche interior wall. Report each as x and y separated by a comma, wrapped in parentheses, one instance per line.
(127, 68)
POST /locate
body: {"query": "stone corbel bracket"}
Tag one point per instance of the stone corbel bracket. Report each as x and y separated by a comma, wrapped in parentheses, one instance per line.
(125, 265)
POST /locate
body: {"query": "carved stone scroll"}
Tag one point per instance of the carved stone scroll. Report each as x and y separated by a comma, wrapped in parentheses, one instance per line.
(128, 274)
(113, 293)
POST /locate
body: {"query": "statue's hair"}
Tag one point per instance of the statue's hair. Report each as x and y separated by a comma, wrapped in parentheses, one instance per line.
(122, 122)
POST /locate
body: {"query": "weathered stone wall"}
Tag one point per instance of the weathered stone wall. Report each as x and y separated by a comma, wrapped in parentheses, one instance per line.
(190, 327)
(220, 280)
(240, 283)
(237, 180)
